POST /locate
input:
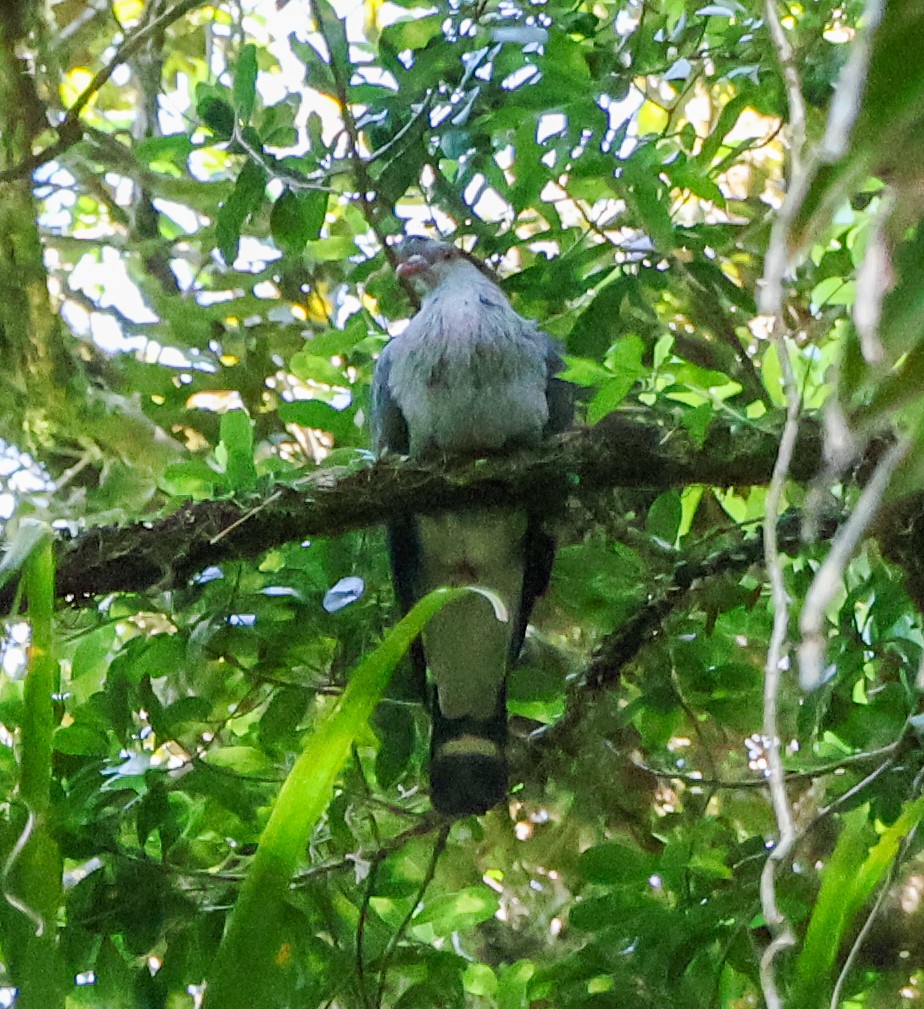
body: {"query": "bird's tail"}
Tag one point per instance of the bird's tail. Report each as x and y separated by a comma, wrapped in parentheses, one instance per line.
(468, 761)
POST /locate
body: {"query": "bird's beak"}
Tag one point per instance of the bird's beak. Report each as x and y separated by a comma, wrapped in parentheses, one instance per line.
(411, 267)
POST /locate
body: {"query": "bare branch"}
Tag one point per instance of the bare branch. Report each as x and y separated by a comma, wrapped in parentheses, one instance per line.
(806, 774)
(621, 646)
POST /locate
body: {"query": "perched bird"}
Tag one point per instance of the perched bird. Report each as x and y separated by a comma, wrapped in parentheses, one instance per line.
(467, 378)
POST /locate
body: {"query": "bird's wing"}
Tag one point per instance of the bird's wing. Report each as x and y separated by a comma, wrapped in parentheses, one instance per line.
(390, 434)
(540, 544)
(389, 427)
(559, 394)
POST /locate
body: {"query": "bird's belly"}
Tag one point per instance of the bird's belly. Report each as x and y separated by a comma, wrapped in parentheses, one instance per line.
(476, 546)
(468, 642)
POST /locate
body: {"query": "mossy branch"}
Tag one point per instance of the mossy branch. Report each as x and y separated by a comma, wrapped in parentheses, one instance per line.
(618, 452)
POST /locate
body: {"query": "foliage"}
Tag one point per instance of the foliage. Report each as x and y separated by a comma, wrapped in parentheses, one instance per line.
(197, 203)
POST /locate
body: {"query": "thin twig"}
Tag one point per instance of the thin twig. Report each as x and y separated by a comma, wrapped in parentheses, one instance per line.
(851, 792)
(438, 848)
(429, 822)
(830, 575)
(228, 530)
(806, 774)
(419, 115)
(776, 920)
(361, 932)
(270, 165)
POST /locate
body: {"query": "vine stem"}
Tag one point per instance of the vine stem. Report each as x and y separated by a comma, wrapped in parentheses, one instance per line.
(776, 661)
(438, 848)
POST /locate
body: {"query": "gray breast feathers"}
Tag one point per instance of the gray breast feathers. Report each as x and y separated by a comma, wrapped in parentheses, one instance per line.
(470, 375)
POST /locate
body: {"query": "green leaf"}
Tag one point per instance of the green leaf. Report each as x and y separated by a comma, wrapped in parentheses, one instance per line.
(601, 322)
(697, 422)
(30, 538)
(318, 76)
(513, 984)
(246, 761)
(311, 368)
(192, 479)
(93, 654)
(180, 715)
(314, 210)
(309, 413)
(886, 120)
(296, 220)
(651, 200)
(173, 150)
(316, 414)
(625, 368)
(727, 119)
(81, 740)
(479, 979)
(214, 109)
(609, 396)
(245, 82)
(154, 657)
(413, 33)
(686, 175)
(337, 247)
(237, 439)
(334, 32)
(664, 515)
(283, 714)
(848, 881)
(246, 197)
(614, 864)
(395, 725)
(462, 909)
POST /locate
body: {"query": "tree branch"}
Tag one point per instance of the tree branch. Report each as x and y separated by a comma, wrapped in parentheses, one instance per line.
(618, 452)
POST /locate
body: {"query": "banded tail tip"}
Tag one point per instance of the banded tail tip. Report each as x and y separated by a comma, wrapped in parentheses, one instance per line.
(468, 775)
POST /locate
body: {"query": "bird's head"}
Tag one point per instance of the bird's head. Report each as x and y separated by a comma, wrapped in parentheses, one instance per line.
(426, 263)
